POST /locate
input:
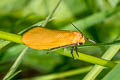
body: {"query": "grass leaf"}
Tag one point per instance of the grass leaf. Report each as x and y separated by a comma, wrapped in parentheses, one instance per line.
(114, 74)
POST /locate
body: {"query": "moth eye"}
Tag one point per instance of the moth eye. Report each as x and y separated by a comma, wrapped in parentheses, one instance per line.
(80, 43)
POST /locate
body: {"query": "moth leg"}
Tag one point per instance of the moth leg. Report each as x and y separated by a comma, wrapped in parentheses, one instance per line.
(48, 51)
(55, 48)
(58, 48)
(72, 53)
(76, 49)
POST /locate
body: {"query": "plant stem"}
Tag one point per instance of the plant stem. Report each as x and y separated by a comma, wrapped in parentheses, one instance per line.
(88, 58)
(11, 37)
(13, 75)
(4, 43)
(51, 14)
(15, 65)
(108, 55)
(62, 74)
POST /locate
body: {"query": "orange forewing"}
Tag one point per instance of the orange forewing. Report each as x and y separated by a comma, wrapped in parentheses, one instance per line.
(42, 38)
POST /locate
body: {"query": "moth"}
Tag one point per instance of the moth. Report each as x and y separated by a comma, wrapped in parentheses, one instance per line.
(43, 38)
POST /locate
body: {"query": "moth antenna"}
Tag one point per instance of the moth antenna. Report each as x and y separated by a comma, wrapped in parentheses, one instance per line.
(77, 28)
(90, 40)
(82, 34)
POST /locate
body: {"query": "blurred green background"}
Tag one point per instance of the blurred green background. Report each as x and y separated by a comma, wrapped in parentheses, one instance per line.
(16, 15)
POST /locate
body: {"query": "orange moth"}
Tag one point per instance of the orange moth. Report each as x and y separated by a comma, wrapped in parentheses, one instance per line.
(43, 38)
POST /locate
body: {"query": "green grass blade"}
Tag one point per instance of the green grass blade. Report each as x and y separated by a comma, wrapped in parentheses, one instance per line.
(3, 43)
(51, 14)
(34, 25)
(90, 20)
(114, 2)
(16, 64)
(103, 44)
(13, 75)
(62, 74)
(108, 55)
(114, 74)
(10, 37)
(87, 58)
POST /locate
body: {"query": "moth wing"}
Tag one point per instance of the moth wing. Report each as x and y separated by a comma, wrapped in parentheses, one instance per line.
(42, 38)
